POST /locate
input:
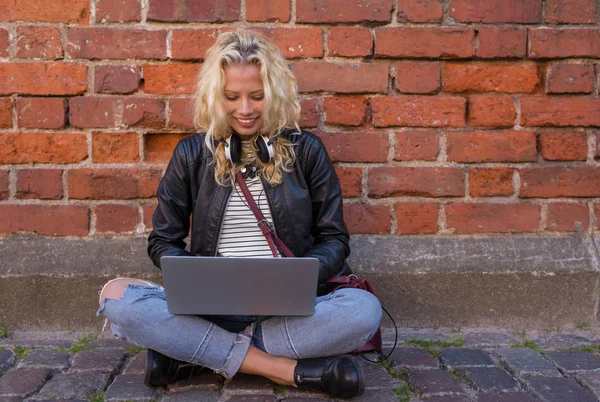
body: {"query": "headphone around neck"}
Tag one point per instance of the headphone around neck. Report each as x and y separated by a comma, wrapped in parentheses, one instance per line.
(233, 148)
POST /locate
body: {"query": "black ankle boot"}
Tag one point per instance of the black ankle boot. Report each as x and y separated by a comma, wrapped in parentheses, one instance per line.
(340, 377)
(161, 370)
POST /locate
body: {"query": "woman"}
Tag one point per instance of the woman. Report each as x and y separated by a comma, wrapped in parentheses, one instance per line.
(247, 104)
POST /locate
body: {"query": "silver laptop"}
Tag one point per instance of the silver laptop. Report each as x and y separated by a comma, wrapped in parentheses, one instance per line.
(240, 286)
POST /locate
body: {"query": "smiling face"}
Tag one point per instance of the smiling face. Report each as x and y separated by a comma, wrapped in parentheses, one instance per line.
(244, 98)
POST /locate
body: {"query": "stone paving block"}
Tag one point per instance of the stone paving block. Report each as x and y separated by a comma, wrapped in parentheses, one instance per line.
(526, 362)
(102, 360)
(110, 343)
(36, 343)
(489, 340)
(421, 335)
(10, 399)
(463, 357)
(558, 341)
(252, 398)
(137, 364)
(376, 395)
(559, 390)
(377, 377)
(490, 379)
(73, 386)
(23, 382)
(508, 397)
(302, 394)
(447, 399)
(591, 381)
(130, 387)
(248, 384)
(414, 357)
(192, 396)
(46, 358)
(7, 359)
(574, 361)
(206, 379)
(429, 383)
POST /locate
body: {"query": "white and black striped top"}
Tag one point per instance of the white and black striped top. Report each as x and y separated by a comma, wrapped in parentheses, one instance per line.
(240, 234)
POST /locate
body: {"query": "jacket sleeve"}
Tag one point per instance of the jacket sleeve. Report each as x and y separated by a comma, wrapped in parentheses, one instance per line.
(330, 234)
(171, 220)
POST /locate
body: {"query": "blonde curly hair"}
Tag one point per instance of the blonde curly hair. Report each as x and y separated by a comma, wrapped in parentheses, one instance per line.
(281, 111)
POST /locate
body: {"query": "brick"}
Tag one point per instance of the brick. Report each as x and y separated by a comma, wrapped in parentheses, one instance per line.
(48, 78)
(7, 359)
(414, 357)
(521, 78)
(345, 111)
(43, 184)
(41, 112)
(310, 114)
(597, 154)
(113, 43)
(41, 358)
(94, 111)
(559, 389)
(118, 11)
(493, 218)
(417, 145)
(507, 397)
(136, 364)
(349, 41)
(434, 382)
(491, 146)
(502, 42)
(563, 181)
(416, 182)
(570, 78)
(170, 79)
(39, 42)
(367, 219)
(109, 79)
(116, 218)
(130, 387)
(416, 218)
(268, 10)
(181, 113)
(115, 147)
(490, 379)
(248, 384)
(571, 11)
(350, 180)
(50, 220)
(418, 78)
(107, 184)
(491, 111)
(3, 184)
(4, 43)
(144, 112)
(148, 212)
(566, 217)
(591, 381)
(159, 147)
(342, 78)
(24, 382)
(420, 11)
(419, 42)
(59, 11)
(356, 146)
(377, 377)
(559, 43)
(296, 43)
(42, 148)
(343, 11)
(194, 10)
(465, 357)
(191, 44)
(491, 182)
(560, 111)
(419, 111)
(574, 361)
(6, 113)
(563, 146)
(496, 11)
(489, 340)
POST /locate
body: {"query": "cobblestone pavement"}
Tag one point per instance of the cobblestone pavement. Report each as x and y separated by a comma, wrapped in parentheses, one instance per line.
(443, 365)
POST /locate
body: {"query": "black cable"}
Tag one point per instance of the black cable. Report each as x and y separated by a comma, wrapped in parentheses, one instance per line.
(393, 347)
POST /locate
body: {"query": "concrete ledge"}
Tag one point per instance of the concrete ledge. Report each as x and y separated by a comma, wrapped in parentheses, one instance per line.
(502, 281)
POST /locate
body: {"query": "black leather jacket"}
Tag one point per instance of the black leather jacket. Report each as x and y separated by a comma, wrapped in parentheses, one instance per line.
(306, 208)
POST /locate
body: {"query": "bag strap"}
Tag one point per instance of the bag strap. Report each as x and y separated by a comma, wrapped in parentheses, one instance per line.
(263, 224)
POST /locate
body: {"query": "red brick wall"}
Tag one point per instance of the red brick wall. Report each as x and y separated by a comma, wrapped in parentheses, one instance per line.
(442, 116)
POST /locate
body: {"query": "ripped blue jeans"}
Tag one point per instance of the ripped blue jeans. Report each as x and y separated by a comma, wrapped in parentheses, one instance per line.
(342, 322)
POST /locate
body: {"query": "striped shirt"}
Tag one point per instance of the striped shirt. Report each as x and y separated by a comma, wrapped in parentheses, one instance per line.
(240, 234)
